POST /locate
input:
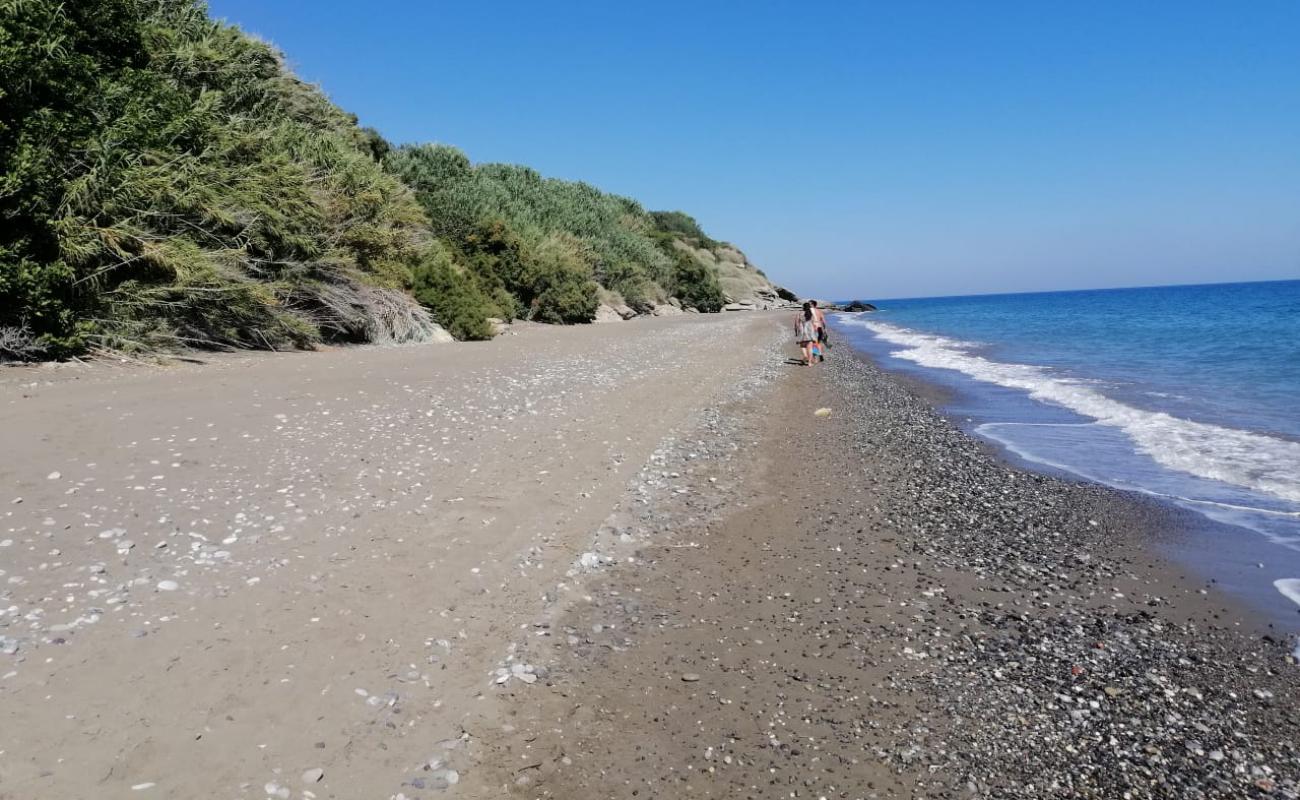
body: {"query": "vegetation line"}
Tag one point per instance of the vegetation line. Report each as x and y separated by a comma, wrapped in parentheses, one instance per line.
(166, 181)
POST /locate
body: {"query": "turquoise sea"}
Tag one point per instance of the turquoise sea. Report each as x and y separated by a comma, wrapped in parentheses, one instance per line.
(1190, 394)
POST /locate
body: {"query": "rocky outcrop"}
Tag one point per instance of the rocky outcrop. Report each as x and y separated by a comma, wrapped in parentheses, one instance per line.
(605, 313)
(744, 287)
(742, 282)
(613, 309)
(858, 305)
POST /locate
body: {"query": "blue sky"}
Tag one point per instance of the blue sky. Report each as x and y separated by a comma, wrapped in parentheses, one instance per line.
(865, 149)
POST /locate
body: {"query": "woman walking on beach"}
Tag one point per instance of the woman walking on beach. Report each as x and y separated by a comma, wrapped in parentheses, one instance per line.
(805, 333)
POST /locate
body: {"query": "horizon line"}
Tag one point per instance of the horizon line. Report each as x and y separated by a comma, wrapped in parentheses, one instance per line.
(865, 298)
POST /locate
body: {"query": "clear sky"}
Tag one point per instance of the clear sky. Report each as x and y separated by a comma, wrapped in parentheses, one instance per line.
(864, 149)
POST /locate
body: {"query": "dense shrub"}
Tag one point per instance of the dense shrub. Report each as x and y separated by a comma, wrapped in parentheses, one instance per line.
(560, 277)
(475, 208)
(498, 258)
(696, 284)
(679, 225)
(457, 302)
(166, 181)
(53, 59)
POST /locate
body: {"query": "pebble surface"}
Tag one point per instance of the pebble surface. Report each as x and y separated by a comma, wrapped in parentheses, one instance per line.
(911, 618)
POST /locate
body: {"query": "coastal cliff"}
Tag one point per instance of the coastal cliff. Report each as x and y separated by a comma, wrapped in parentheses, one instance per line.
(744, 285)
(741, 286)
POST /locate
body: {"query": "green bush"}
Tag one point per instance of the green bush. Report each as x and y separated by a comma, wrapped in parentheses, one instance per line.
(54, 57)
(457, 302)
(560, 277)
(679, 225)
(166, 181)
(497, 216)
(498, 258)
(696, 285)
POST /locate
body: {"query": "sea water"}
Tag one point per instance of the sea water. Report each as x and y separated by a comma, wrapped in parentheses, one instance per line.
(1187, 393)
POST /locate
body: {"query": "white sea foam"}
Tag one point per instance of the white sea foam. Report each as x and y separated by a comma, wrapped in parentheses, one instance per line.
(1290, 589)
(1251, 460)
(1277, 525)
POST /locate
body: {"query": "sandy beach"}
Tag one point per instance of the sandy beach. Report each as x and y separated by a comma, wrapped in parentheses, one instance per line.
(605, 561)
(217, 577)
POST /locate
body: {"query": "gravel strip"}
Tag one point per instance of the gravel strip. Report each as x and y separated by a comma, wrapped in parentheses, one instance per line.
(1053, 683)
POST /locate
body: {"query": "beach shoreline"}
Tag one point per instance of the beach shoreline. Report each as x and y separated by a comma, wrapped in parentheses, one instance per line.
(1229, 554)
(901, 615)
(1090, 386)
(562, 565)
